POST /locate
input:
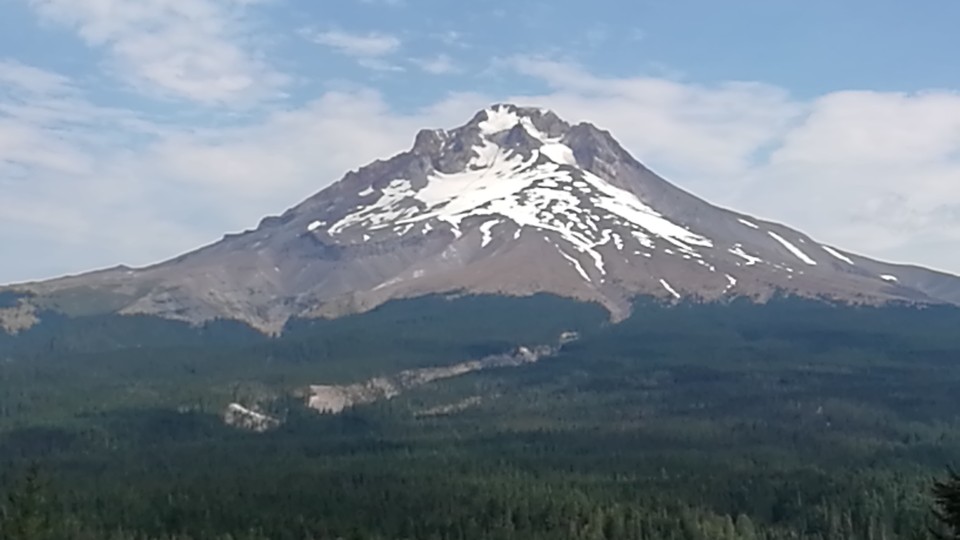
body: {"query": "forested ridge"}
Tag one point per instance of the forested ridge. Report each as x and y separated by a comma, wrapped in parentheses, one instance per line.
(795, 419)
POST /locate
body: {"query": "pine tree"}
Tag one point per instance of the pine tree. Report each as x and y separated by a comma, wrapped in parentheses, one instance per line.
(24, 514)
(947, 496)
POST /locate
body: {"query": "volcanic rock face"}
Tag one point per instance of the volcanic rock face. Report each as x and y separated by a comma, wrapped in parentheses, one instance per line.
(515, 202)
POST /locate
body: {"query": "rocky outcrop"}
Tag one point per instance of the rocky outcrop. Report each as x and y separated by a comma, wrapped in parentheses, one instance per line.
(14, 320)
(334, 399)
(240, 417)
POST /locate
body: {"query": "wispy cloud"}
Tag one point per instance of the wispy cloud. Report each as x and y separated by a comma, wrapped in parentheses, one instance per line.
(361, 45)
(16, 76)
(198, 50)
(699, 130)
(83, 186)
(452, 38)
(55, 158)
(871, 171)
(441, 64)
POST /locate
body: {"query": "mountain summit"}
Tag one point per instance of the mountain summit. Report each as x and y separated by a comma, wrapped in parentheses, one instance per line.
(514, 202)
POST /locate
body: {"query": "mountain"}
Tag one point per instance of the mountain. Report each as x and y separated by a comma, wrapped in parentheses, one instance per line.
(517, 201)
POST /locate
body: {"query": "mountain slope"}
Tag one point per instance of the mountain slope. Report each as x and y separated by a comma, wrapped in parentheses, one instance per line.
(515, 202)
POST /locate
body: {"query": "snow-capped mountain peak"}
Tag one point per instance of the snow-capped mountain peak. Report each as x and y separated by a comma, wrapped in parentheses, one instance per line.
(521, 178)
(515, 201)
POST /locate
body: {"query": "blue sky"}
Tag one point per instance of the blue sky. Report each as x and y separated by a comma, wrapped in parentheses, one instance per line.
(133, 130)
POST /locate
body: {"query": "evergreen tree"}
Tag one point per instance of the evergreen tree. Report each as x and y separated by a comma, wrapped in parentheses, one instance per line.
(947, 497)
(24, 515)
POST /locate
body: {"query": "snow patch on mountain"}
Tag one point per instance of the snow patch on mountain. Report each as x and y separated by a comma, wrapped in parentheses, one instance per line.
(731, 283)
(484, 156)
(576, 265)
(838, 255)
(383, 213)
(550, 195)
(737, 250)
(618, 241)
(669, 289)
(486, 232)
(559, 153)
(792, 248)
(499, 118)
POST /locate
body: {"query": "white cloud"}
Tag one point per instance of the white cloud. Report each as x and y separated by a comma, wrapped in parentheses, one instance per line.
(56, 152)
(871, 127)
(368, 45)
(441, 64)
(451, 38)
(691, 131)
(84, 187)
(379, 64)
(197, 50)
(874, 172)
(596, 36)
(15, 76)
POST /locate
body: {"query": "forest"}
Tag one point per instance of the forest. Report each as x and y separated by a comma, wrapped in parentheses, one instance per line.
(794, 419)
